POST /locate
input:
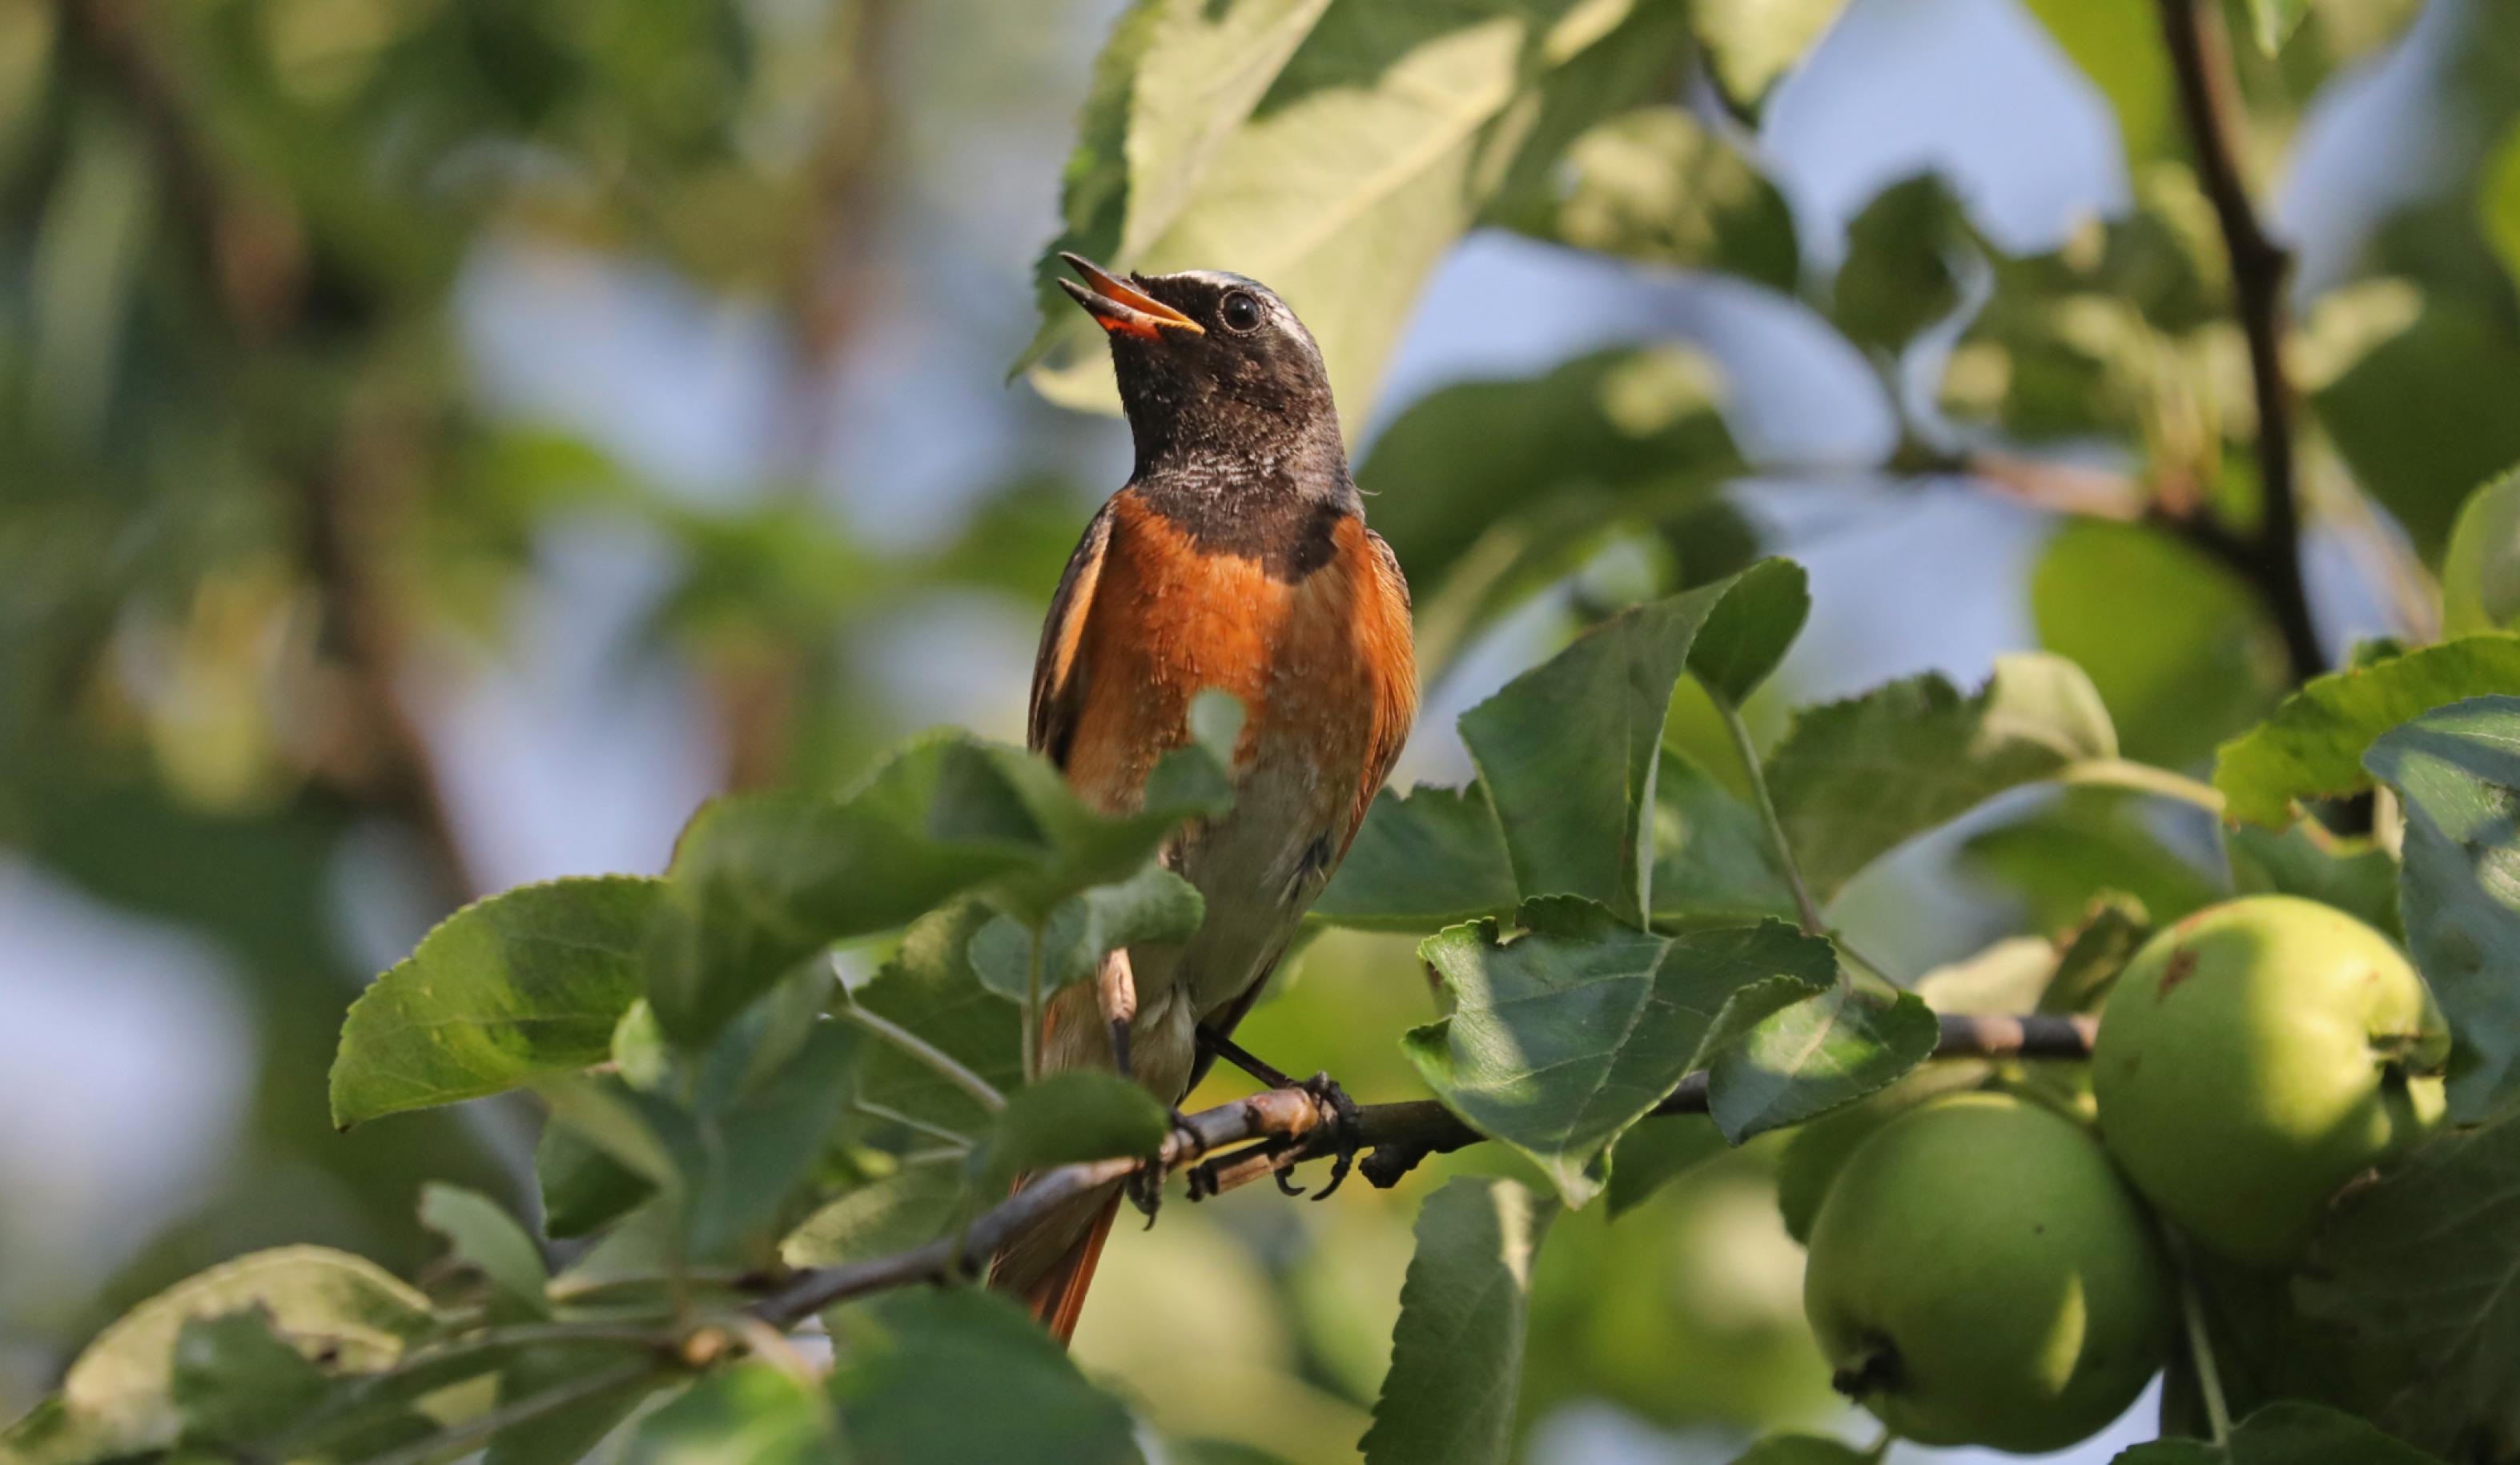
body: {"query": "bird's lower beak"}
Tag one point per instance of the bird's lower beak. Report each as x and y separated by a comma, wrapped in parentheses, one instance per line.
(1120, 307)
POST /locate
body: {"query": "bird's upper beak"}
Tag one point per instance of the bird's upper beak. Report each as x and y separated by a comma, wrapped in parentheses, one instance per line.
(1121, 307)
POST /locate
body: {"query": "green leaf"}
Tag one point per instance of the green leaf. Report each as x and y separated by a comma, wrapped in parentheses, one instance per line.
(1902, 267)
(240, 1384)
(485, 1237)
(2313, 747)
(2119, 48)
(567, 1434)
(583, 1188)
(1855, 780)
(1563, 1037)
(2420, 1263)
(2174, 642)
(2480, 573)
(1801, 1449)
(2092, 840)
(1652, 1155)
(2273, 21)
(2092, 958)
(505, 989)
(902, 1210)
(2419, 417)
(1750, 43)
(1457, 1350)
(1713, 858)
(1569, 749)
(2289, 1433)
(120, 1390)
(1153, 905)
(1614, 429)
(2357, 878)
(930, 989)
(908, 1390)
(2456, 771)
(752, 1412)
(1801, 1060)
(1065, 1118)
(1657, 185)
(1390, 131)
(1425, 859)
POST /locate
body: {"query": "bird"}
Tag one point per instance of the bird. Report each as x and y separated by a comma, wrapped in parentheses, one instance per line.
(1236, 558)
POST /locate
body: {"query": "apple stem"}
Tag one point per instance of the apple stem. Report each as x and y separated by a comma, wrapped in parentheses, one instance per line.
(2200, 1350)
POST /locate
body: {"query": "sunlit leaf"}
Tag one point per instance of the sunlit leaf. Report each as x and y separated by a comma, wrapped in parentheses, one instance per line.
(1751, 43)
(1457, 1351)
(1153, 905)
(1658, 185)
(753, 1412)
(2312, 746)
(1422, 860)
(1713, 858)
(487, 1239)
(1563, 1037)
(522, 983)
(2119, 48)
(1789, 1061)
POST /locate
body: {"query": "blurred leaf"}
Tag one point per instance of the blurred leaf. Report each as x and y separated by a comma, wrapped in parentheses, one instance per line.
(522, 983)
(1153, 905)
(1751, 43)
(567, 1434)
(1564, 1036)
(1568, 750)
(1457, 1350)
(929, 987)
(2176, 646)
(583, 1188)
(1651, 1156)
(2274, 20)
(2089, 842)
(2420, 418)
(1798, 1060)
(1856, 778)
(2119, 48)
(909, 1391)
(1713, 859)
(2498, 200)
(1657, 185)
(2313, 747)
(893, 1214)
(1064, 1118)
(1801, 1449)
(485, 1237)
(1425, 859)
(239, 1385)
(2006, 977)
(2285, 1434)
(2094, 957)
(2423, 1258)
(1387, 133)
(2362, 881)
(1613, 428)
(2480, 572)
(120, 1393)
(1901, 272)
(750, 1413)
(2457, 772)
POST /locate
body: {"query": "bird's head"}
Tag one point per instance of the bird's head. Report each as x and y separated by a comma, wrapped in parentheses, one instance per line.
(1211, 364)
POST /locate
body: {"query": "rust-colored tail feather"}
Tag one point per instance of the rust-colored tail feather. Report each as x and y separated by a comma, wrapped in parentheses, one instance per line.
(1057, 1295)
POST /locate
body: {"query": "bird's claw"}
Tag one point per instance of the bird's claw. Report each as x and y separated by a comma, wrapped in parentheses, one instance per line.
(1146, 1187)
(1347, 1131)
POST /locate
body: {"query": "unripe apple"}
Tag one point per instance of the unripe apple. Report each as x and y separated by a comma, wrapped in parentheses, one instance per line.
(2255, 1057)
(2481, 570)
(1980, 1275)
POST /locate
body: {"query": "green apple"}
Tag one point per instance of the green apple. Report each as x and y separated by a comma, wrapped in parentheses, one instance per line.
(2481, 570)
(1980, 1275)
(2255, 1057)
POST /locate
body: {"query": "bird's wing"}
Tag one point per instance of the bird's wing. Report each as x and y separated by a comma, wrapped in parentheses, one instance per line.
(1057, 679)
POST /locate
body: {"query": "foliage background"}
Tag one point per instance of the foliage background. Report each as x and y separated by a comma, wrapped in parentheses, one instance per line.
(443, 440)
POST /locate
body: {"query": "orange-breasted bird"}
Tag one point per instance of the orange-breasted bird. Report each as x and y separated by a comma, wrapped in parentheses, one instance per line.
(1236, 558)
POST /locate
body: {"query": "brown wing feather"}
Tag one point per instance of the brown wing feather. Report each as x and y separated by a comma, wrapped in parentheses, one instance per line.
(1057, 676)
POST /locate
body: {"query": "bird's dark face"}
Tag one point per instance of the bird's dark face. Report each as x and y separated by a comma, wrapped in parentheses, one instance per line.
(1211, 366)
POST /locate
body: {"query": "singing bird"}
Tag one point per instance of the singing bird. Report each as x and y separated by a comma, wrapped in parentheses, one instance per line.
(1236, 558)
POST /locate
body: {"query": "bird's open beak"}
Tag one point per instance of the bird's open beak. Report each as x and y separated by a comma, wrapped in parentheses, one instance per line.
(1121, 307)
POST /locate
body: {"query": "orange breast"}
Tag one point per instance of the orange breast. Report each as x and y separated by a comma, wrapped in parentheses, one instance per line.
(1322, 666)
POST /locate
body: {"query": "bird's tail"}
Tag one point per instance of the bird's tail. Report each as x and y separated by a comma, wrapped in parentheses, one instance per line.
(1049, 1265)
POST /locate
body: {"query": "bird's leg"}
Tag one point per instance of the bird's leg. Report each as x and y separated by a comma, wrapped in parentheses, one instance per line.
(1346, 1121)
(1115, 995)
(1146, 1187)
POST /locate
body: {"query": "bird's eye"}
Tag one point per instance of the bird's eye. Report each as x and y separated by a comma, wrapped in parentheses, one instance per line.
(1240, 312)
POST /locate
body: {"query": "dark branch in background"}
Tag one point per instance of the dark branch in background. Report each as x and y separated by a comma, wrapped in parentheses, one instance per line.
(249, 252)
(2200, 57)
(1284, 1127)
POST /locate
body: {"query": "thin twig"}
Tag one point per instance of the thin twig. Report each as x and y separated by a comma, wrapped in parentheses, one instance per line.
(2200, 55)
(1804, 906)
(936, 1058)
(1293, 1125)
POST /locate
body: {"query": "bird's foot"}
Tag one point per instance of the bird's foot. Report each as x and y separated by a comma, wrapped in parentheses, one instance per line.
(1347, 1131)
(1146, 1187)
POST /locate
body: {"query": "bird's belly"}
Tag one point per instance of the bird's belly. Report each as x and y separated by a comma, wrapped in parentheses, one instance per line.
(1259, 868)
